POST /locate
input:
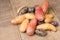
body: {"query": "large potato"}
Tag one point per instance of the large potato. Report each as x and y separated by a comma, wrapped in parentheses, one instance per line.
(39, 13)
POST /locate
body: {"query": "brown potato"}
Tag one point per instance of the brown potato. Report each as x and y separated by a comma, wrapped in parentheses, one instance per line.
(46, 26)
(23, 26)
(30, 16)
(18, 19)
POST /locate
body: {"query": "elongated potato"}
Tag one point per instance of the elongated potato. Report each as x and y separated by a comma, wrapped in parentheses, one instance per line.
(39, 13)
(49, 15)
(46, 26)
(23, 26)
(30, 16)
(31, 27)
(45, 6)
(18, 19)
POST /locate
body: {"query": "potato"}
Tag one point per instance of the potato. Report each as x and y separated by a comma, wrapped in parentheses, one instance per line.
(55, 23)
(49, 15)
(18, 19)
(46, 26)
(48, 18)
(31, 9)
(45, 6)
(20, 8)
(31, 27)
(39, 13)
(24, 10)
(40, 32)
(23, 26)
(29, 16)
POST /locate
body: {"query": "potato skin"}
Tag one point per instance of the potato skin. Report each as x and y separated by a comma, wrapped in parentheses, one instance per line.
(39, 13)
(31, 27)
(46, 26)
(24, 25)
(18, 19)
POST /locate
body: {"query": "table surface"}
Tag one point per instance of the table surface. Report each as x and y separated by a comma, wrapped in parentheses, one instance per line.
(8, 9)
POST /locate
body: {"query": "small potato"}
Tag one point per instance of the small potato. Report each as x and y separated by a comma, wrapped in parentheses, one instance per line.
(23, 26)
(46, 26)
(24, 10)
(47, 20)
(18, 19)
(49, 15)
(31, 9)
(55, 23)
(30, 16)
(40, 32)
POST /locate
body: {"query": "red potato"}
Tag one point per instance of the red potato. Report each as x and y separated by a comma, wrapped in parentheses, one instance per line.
(31, 27)
(45, 6)
(39, 13)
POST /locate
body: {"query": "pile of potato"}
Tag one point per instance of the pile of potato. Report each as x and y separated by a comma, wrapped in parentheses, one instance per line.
(36, 20)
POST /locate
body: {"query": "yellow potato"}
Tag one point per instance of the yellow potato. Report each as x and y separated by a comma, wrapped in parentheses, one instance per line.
(49, 15)
(23, 26)
(30, 16)
(18, 19)
(46, 26)
(47, 20)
